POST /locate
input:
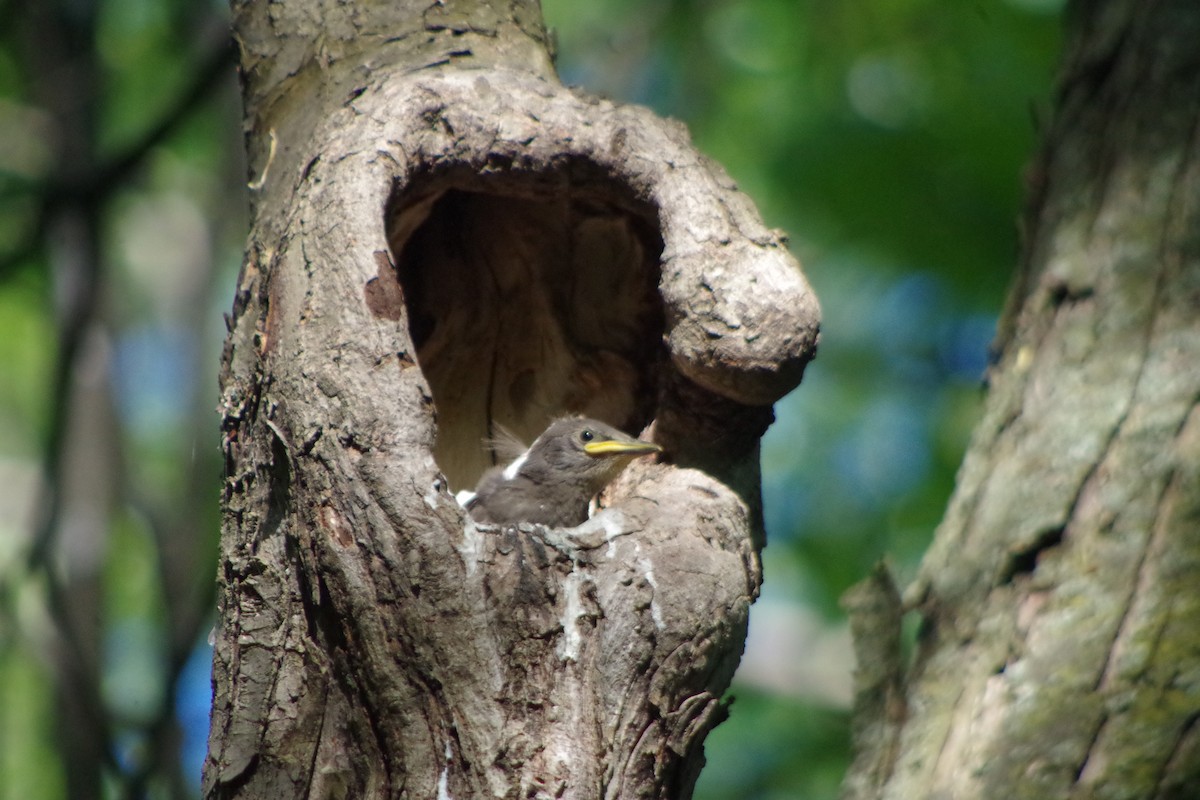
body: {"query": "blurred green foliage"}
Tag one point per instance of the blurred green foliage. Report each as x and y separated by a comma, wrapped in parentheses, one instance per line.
(888, 138)
(120, 163)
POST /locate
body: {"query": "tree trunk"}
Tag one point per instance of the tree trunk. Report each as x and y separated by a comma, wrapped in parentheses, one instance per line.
(445, 240)
(1059, 652)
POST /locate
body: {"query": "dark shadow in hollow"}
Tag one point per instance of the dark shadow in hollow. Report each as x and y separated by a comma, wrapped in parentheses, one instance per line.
(529, 295)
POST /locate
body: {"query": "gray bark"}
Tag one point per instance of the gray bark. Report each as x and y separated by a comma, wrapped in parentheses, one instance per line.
(1059, 654)
(446, 239)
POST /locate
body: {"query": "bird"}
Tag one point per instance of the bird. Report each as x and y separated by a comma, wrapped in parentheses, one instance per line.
(554, 481)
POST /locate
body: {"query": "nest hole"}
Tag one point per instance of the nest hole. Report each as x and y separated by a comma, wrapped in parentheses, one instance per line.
(528, 296)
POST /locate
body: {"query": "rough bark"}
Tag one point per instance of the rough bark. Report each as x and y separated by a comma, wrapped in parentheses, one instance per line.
(1059, 654)
(445, 239)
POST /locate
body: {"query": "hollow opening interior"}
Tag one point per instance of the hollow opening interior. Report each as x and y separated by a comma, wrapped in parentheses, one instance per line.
(528, 296)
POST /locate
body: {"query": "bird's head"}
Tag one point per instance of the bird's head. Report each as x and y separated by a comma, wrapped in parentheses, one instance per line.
(585, 452)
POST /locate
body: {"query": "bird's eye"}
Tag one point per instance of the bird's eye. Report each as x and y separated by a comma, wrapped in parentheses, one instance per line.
(587, 435)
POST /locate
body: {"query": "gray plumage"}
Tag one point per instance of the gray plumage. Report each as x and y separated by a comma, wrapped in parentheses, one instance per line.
(553, 482)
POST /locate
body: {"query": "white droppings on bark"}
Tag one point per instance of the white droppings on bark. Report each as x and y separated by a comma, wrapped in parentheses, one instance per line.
(648, 573)
(613, 527)
(431, 496)
(560, 749)
(568, 645)
(470, 547)
(443, 786)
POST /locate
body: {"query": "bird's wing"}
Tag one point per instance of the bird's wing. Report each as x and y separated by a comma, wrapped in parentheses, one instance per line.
(505, 444)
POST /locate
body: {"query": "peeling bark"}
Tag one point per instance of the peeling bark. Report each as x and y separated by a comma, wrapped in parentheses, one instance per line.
(1059, 654)
(446, 239)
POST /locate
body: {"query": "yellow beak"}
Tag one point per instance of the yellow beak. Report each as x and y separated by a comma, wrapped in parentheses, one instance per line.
(615, 448)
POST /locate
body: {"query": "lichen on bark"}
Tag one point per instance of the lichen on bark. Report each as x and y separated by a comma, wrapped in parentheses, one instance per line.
(1054, 658)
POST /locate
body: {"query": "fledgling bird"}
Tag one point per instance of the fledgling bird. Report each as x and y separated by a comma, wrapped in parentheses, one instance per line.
(553, 482)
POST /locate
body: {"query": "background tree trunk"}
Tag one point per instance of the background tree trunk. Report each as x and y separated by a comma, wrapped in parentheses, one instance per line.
(1058, 654)
(446, 239)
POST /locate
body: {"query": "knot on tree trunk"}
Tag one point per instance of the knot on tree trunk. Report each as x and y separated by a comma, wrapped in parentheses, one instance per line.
(469, 250)
(560, 254)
